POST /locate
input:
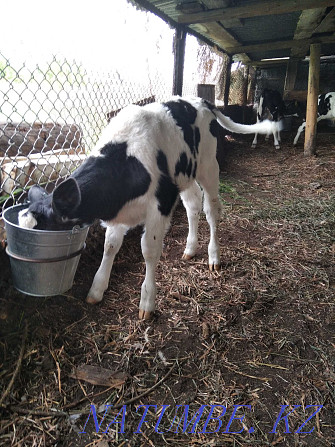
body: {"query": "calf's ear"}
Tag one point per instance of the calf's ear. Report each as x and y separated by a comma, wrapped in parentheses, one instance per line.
(66, 197)
(36, 193)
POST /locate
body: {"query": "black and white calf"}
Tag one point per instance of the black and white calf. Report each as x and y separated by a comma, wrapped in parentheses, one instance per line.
(326, 111)
(143, 160)
(271, 106)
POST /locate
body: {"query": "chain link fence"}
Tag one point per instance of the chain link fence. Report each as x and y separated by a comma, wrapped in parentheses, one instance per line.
(51, 116)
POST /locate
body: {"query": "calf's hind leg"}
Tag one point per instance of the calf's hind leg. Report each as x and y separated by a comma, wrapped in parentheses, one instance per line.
(113, 241)
(192, 200)
(212, 208)
(300, 130)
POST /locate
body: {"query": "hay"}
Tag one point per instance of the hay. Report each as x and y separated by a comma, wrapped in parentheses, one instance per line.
(259, 332)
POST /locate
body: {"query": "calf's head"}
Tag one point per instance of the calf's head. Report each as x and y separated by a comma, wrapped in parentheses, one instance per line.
(56, 211)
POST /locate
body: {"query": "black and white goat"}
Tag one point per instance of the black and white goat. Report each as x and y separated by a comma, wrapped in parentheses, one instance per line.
(326, 111)
(271, 106)
(143, 160)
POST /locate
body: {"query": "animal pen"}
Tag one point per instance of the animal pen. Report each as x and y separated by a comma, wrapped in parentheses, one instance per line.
(242, 357)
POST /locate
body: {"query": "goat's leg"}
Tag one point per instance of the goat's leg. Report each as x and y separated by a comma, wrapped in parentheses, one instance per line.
(151, 243)
(259, 116)
(276, 138)
(192, 200)
(212, 208)
(113, 241)
(254, 143)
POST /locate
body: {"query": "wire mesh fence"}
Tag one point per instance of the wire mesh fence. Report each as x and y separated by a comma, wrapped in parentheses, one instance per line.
(51, 115)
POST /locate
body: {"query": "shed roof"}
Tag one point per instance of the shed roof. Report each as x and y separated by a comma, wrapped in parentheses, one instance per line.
(254, 30)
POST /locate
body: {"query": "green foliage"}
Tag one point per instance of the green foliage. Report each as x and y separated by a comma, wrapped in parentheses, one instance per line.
(7, 72)
(57, 72)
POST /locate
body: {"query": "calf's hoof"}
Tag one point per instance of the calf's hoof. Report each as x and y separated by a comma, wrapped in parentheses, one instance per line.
(144, 314)
(92, 300)
(253, 146)
(186, 257)
(214, 267)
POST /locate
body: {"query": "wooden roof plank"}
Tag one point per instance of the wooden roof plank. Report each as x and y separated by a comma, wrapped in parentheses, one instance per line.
(327, 24)
(217, 33)
(220, 36)
(260, 8)
(270, 46)
(308, 21)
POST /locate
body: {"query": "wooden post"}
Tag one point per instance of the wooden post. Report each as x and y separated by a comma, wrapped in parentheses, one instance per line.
(179, 56)
(206, 91)
(245, 85)
(227, 82)
(251, 92)
(312, 99)
(291, 75)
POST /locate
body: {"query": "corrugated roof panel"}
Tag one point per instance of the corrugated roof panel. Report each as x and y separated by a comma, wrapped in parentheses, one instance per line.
(260, 29)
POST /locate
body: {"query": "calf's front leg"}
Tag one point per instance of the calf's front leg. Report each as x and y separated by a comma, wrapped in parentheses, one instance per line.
(151, 244)
(113, 241)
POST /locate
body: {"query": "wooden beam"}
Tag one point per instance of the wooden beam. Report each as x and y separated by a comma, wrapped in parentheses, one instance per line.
(227, 82)
(291, 74)
(327, 24)
(308, 21)
(299, 95)
(268, 63)
(207, 5)
(270, 46)
(220, 36)
(312, 99)
(179, 56)
(217, 33)
(245, 86)
(260, 8)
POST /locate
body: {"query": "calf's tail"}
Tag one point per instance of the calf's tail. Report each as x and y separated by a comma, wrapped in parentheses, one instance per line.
(262, 127)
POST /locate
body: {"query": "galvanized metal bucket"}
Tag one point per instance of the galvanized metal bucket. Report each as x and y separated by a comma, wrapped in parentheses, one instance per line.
(43, 263)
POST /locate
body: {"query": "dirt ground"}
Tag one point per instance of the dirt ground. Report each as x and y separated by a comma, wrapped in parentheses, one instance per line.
(257, 334)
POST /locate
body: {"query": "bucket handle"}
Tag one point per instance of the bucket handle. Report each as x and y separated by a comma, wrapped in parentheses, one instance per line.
(45, 261)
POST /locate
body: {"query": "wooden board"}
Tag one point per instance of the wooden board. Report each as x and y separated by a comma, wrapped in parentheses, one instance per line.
(23, 138)
(38, 168)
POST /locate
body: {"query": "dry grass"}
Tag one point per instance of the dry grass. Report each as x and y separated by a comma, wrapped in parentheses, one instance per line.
(260, 332)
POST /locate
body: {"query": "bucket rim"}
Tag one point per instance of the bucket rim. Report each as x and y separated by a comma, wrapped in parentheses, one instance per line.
(74, 230)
